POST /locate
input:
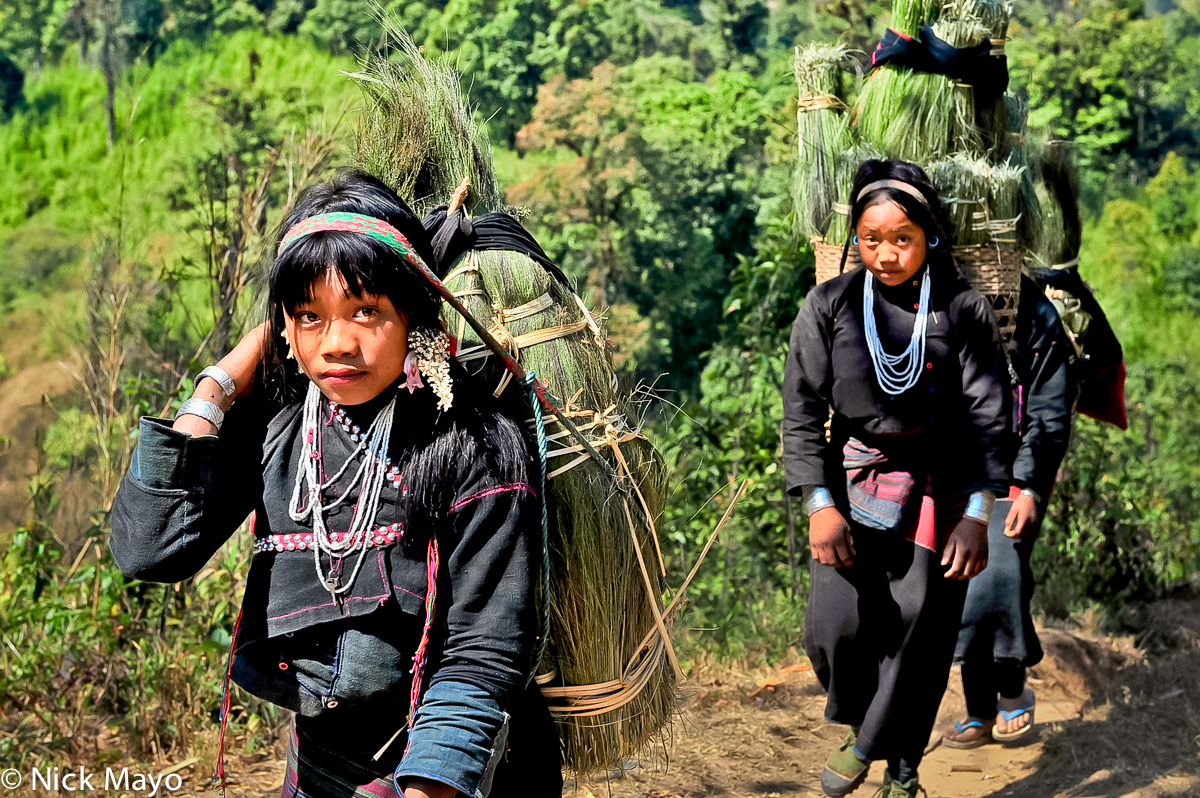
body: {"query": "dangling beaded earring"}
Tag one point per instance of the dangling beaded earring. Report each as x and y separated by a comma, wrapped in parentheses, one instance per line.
(290, 354)
(429, 355)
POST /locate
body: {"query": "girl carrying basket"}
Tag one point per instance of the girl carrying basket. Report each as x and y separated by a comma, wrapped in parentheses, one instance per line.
(900, 491)
(391, 598)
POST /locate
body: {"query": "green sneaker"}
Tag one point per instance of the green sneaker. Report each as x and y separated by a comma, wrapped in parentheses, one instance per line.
(845, 769)
(899, 789)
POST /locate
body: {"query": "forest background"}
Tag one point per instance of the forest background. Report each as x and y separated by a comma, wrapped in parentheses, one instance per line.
(148, 148)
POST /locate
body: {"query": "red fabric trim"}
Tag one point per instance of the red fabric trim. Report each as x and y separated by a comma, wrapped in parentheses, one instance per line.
(516, 486)
(330, 604)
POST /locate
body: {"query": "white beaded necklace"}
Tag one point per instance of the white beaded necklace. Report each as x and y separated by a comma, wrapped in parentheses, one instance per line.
(306, 503)
(896, 373)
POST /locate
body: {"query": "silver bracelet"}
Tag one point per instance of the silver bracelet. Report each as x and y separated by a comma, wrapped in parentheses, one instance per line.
(980, 506)
(222, 378)
(820, 499)
(1031, 493)
(204, 409)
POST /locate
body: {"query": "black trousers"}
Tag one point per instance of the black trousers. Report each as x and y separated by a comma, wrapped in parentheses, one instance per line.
(881, 636)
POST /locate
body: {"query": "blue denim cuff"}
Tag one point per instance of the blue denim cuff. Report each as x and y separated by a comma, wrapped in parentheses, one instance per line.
(168, 459)
(458, 738)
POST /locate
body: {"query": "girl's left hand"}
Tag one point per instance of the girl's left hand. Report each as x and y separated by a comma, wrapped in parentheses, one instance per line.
(966, 550)
(1022, 518)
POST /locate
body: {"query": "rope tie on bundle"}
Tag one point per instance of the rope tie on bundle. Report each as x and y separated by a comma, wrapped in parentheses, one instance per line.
(1003, 231)
(540, 429)
(817, 102)
(597, 699)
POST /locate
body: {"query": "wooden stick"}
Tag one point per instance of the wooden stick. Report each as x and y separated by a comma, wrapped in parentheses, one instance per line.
(460, 196)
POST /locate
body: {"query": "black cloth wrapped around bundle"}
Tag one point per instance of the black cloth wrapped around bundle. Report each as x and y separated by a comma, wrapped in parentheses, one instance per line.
(972, 65)
(455, 234)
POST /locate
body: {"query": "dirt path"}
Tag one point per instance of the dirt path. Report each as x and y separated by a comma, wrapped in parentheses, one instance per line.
(1113, 722)
(1108, 726)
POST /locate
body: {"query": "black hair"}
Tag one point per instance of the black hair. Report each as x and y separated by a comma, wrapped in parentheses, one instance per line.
(477, 434)
(365, 264)
(930, 216)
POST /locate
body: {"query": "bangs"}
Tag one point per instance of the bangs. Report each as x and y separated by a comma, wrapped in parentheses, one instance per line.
(367, 266)
(363, 263)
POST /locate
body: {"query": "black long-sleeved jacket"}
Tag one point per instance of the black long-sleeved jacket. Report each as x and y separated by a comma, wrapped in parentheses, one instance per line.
(956, 416)
(1041, 356)
(184, 497)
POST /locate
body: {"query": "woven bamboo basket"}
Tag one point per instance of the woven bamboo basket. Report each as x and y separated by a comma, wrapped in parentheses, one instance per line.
(993, 270)
(829, 260)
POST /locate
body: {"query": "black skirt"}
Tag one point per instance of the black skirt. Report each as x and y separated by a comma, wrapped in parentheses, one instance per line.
(996, 620)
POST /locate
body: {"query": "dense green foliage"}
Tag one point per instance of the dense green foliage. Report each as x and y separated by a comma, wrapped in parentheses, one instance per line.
(144, 141)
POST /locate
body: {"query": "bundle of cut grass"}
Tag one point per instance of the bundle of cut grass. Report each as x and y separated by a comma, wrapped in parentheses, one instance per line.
(609, 673)
(823, 132)
(892, 92)
(845, 168)
(609, 669)
(417, 132)
(920, 116)
(1004, 202)
(963, 184)
(1030, 228)
(1053, 230)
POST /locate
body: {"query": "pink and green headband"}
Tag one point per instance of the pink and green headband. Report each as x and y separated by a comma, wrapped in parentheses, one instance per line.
(352, 223)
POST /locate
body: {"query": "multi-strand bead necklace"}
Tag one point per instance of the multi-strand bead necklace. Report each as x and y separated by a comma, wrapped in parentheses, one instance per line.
(896, 373)
(374, 469)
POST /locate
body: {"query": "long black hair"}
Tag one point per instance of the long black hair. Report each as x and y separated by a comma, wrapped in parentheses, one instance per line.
(436, 449)
(365, 264)
(930, 215)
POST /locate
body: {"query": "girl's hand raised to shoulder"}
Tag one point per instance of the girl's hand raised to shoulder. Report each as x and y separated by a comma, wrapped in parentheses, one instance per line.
(240, 364)
(420, 788)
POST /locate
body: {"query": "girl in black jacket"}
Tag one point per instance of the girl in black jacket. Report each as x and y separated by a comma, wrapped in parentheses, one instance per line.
(390, 601)
(900, 489)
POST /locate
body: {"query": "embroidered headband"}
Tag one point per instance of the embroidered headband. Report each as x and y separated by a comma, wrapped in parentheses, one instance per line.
(369, 226)
(898, 185)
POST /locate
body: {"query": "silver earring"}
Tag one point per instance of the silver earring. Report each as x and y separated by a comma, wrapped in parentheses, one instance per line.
(432, 351)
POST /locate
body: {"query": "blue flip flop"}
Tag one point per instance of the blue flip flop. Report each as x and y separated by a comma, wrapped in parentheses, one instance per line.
(1013, 714)
(982, 739)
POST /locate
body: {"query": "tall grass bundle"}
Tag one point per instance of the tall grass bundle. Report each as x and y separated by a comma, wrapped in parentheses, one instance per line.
(909, 16)
(417, 132)
(822, 132)
(893, 114)
(891, 91)
(845, 167)
(608, 672)
(923, 117)
(1004, 202)
(609, 669)
(963, 184)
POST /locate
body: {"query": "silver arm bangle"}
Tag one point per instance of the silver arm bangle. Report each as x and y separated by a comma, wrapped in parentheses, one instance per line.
(1031, 493)
(204, 409)
(222, 378)
(980, 506)
(820, 499)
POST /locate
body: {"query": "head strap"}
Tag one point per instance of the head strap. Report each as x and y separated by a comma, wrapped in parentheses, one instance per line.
(351, 223)
(898, 185)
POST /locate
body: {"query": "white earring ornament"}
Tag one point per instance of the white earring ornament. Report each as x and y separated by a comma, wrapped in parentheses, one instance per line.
(429, 355)
(290, 355)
